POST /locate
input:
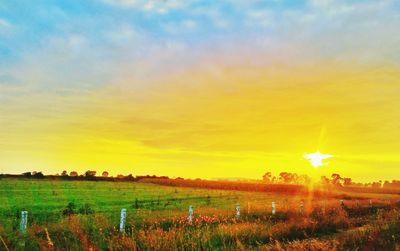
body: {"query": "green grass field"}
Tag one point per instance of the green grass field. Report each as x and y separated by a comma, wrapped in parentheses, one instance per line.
(156, 217)
(45, 199)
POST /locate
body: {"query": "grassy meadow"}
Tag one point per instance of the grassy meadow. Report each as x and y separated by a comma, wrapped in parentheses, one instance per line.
(84, 215)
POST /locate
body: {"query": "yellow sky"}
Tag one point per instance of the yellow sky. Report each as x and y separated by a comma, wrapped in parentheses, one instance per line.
(234, 121)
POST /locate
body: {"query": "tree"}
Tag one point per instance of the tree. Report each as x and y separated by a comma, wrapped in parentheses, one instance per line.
(64, 173)
(347, 182)
(377, 184)
(105, 174)
(38, 175)
(288, 178)
(267, 177)
(336, 179)
(73, 174)
(90, 173)
(27, 174)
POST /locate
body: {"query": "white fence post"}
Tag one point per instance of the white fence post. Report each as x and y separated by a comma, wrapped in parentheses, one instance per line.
(273, 208)
(24, 221)
(190, 217)
(122, 220)
(237, 210)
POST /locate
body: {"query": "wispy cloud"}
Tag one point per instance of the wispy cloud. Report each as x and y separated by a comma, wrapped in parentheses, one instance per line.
(6, 28)
(156, 6)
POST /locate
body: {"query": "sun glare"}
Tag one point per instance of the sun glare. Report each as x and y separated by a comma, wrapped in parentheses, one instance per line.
(316, 159)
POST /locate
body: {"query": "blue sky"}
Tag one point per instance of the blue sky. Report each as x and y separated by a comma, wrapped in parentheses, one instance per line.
(89, 42)
(27, 25)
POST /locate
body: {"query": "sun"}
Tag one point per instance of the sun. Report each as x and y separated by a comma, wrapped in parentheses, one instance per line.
(316, 159)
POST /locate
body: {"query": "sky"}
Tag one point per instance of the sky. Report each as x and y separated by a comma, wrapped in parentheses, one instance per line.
(209, 89)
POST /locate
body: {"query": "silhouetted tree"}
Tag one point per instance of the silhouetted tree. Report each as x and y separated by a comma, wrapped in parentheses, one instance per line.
(38, 175)
(288, 178)
(267, 177)
(64, 173)
(377, 184)
(129, 177)
(336, 179)
(73, 174)
(347, 182)
(105, 174)
(90, 173)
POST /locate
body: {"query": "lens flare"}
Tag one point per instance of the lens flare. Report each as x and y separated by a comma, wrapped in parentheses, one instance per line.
(316, 159)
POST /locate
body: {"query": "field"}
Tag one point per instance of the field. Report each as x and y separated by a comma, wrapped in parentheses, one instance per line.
(85, 215)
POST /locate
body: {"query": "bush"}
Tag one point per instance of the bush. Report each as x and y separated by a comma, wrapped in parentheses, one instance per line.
(70, 209)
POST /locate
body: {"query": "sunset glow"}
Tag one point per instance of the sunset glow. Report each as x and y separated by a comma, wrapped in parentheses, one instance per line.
(207, 89)
(316, 159)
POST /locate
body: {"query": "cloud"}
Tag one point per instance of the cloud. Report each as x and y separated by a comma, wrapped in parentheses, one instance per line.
(261, 18)
(6, 28)
(156, 6)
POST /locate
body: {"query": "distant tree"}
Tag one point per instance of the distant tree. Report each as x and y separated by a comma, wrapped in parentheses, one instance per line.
(336, 179)
(64, 173)
(73, 174)
(267, 177)
(347, 182)
(288, 178)
(120, 176)
(105, 174)
(90, 173)
(38, 175)
(386, 184)
(27, 174)
(376, 184)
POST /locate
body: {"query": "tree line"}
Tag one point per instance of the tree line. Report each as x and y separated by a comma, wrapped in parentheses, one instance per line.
(335, 180)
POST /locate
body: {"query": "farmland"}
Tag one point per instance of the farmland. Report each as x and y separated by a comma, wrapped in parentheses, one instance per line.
(84, 215)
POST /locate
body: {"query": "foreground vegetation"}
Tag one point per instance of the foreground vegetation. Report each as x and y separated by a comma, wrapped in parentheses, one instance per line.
(84, 215)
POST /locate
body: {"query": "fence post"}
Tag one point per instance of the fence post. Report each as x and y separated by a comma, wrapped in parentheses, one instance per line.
(190, 217)
(24, 221)
(237, 211)
(122, 220)
(302, 207)
(273, 208)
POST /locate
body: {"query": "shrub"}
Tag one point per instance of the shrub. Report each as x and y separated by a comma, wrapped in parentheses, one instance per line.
(69, 209)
